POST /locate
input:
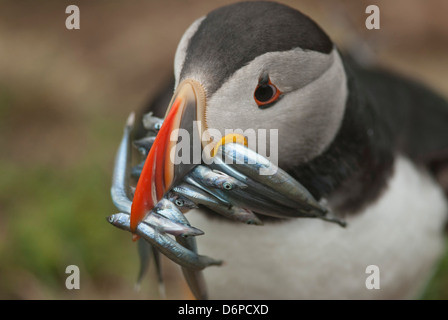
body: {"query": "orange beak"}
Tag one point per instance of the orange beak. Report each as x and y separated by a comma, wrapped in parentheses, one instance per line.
(162, 169)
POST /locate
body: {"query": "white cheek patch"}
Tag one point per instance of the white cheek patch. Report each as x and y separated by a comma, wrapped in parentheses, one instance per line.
(181, 51)
(307, 116)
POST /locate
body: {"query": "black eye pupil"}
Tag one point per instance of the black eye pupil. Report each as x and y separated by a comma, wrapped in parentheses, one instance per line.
(227, 186)
(264, 92)
(179, 203)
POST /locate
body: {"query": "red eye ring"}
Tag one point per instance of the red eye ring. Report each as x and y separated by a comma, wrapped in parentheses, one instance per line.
(265, 94)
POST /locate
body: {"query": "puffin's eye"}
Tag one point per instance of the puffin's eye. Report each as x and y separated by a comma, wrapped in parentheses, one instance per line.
(227, 186)
(266, 93)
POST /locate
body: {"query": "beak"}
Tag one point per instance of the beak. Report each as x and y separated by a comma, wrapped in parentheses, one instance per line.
(162, 167)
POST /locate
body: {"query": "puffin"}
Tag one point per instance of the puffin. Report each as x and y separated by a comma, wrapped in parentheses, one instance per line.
(371, 144)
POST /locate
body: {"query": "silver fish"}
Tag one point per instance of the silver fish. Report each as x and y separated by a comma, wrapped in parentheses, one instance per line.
(198, 195)
(120, 192)
(144, 145)
(157, 262)
(182, 203)
(259, 204)
(277, 194)
(159, 221)
(216, 179)
(136, 170)
(233, 212)
(145, 251)
(170, 211)
(166, 245)
(195, 279)
(253, 186)
(151, 122)
(250, 164)
(211, 191)
(120, 186)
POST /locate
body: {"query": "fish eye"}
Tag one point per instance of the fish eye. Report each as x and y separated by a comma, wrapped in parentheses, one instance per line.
(227, 186)
(179, 202)
(266, 93)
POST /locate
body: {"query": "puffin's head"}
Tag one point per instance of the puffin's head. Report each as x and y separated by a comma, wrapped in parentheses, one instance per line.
(256, 65)
(263, 65)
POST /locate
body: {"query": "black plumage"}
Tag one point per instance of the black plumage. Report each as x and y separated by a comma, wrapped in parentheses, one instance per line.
(385, 115)
(232, 36)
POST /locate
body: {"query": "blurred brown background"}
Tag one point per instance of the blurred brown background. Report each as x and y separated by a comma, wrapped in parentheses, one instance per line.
(64, 98)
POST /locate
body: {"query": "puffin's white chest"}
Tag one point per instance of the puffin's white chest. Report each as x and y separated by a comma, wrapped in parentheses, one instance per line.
(312, 259)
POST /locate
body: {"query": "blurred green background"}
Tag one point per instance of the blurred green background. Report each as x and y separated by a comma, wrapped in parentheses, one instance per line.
(64, 98)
